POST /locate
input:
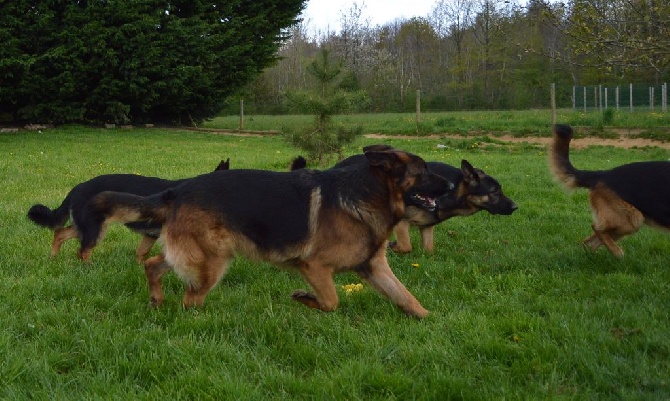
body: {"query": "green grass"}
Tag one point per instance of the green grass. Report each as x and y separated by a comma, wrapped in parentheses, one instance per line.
(516, 122)
(519, 309)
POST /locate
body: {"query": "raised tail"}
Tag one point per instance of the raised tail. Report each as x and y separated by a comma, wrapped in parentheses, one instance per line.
(109, 207)
(559, 161)
(46, 217)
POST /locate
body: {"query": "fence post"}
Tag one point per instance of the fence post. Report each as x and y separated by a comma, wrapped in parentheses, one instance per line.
(606, 98)
(241, 114)
(553, 103)
(651, 98)
(574, 97)
(631, 97)
(418, 106)
(617, 97)
(600, 98)
(585, 99)
(664, 97)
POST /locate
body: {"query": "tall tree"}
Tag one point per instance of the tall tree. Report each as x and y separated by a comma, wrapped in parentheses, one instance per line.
(139, 61)
(618, 36)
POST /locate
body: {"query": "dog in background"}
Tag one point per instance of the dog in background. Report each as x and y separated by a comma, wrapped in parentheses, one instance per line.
(470, 190)
(622, 199)
(318, 222)
(72, 208)
(474, 191)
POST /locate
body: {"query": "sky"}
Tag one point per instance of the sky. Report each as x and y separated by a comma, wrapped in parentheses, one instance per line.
(324, 15)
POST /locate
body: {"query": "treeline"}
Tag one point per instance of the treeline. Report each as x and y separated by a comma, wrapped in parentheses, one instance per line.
(479, 54)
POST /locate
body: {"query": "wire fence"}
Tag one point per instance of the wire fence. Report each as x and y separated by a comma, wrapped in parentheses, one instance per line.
(621, 97)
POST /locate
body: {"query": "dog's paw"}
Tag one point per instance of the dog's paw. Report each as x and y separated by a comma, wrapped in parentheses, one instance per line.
(305, 298)
(393, 245)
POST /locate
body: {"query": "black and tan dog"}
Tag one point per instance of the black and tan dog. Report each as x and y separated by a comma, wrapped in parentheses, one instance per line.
(73, 206)
(470, 190)
(317, 222)
(622, 199)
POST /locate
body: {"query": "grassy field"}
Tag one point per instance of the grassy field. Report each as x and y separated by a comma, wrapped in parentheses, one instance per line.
(518, 309)
(516, 122)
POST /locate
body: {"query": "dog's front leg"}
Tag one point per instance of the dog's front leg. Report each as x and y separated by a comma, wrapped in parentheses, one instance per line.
(402, 243)
(427, 238)
(320, 278)
(379, 275)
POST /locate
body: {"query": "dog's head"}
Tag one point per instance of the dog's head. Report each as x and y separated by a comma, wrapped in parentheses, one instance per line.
(484, 192)
(408, 175)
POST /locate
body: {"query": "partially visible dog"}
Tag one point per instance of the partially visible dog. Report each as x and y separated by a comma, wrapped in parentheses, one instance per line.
(622, 199)
(72, 208)
(471, 190)
(474, 191)
(317, 222)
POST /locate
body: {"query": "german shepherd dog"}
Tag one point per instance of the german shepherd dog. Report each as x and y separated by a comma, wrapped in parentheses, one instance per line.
(470, 191)
(622, 199)
(73, 206)
(474, 191)
(319, 223)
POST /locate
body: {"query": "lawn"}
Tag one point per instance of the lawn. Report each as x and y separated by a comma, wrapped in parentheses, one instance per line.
(518, 309)
(512, 122)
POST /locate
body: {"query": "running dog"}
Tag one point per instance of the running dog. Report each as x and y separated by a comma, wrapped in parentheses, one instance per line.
(622, 199)
(470, 190)
(317, 222)
(72, 208)
(474, 191)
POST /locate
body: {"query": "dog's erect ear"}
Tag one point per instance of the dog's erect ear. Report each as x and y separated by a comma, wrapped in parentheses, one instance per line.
(298, 163)
(469, 172)
(377, 148)
(223, 165)
(387, 160)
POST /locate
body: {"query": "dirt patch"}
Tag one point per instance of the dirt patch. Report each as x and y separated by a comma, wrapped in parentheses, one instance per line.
(626, 140)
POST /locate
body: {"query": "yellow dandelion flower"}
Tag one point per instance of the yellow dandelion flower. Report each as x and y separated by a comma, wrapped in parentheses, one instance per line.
(415, 265)
(350, 288)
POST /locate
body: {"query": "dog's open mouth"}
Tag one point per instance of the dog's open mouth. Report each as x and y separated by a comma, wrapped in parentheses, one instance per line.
(424, 201)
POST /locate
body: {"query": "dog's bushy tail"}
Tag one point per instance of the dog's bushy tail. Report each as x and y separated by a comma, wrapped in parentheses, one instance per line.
(125, 208)
(110, 207)
(559, 161)
(46, 217)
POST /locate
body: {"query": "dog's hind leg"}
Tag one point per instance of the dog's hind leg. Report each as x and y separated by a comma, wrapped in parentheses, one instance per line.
(402, 244)
(90, 237)
(427, 239)
(144, 247)
(320, 278)
(61, 235)
(613, 219)
(592, 242)
(202, 277)
(379, 275)
(607, 239)
(154, 268)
